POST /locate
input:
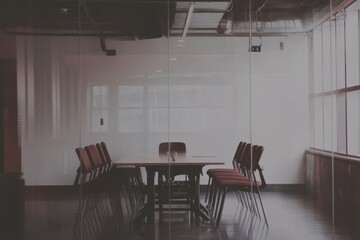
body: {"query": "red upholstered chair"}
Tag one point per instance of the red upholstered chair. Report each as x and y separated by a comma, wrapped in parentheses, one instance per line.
(232, 182)
(241, 155)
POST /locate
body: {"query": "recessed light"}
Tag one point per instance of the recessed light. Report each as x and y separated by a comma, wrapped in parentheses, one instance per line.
(173, 59)
(64, 10)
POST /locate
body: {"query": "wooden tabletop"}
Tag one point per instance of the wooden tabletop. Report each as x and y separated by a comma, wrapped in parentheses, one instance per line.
(163, 160)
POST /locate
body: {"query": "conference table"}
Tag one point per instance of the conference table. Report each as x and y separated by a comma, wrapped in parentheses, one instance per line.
(171, 165)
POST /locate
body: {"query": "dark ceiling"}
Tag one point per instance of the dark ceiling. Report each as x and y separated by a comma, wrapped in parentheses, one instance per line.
(154, 18)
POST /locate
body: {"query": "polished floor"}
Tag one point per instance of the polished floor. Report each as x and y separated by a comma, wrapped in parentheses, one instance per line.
(290, 216)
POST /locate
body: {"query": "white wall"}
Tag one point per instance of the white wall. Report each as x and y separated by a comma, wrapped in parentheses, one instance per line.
(212, 103)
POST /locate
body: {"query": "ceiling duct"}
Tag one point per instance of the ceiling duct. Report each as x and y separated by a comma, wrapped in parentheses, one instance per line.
(153, 18)
(277, 16)
(110, 18)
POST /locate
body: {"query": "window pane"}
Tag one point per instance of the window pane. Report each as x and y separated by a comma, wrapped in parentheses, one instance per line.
(341, 123)
(158, 96)
(352, 48)
(327, 124)
(319, 123)
(326, 60)
(131, 96)
(131, 120)
(353, 121)
(96, 97)
(340, 52)
(317, 47)
(104, 96)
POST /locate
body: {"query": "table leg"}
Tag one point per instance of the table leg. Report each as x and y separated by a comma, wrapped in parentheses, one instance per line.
(197, 198)
(150, 208)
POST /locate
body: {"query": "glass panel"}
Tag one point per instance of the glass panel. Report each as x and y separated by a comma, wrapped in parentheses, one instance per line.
(209, 108)
(340, 64)
(352, 46)
(340, 127)
(328, 120)
(326, 56)
(43, 131)
(319, 122)
(318, 56)
(210, 74)
(353, 120)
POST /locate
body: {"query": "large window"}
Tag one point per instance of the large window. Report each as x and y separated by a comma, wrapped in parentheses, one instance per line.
(335, 93)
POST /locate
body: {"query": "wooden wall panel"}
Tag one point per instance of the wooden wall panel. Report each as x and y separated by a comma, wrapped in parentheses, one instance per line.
(346, 201)
(11, 148)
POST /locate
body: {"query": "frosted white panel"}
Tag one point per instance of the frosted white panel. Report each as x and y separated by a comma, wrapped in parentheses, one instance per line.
(158, 120)
(131, 96)
(158, 95)
(128, 100)
(49, 109)
(131, 120)
(279, 109)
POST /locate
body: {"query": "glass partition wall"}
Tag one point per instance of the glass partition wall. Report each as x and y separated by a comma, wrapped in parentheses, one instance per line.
(334, 80)
(283, 75)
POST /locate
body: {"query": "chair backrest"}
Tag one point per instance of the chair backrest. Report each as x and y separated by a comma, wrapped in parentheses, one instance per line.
(166, 147)
(94, 156)
(238, 154)
(106, 153)
(101, 153)
(85, 162)
(245, 155)
(239, 151)
(252, 163)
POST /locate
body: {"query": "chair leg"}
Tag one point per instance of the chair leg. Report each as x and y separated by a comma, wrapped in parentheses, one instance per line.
(221, 207)
(207, 190)
(262, 207)
(216, 213)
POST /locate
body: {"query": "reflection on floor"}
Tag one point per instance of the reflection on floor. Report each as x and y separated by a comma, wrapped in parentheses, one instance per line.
(291, 217)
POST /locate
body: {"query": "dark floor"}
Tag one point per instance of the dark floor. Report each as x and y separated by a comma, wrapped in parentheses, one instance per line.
(290, 216)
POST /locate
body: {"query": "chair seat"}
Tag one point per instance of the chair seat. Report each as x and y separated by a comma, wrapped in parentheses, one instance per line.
(236, 183)
(228, 175)
(125, 166)
(210, 172)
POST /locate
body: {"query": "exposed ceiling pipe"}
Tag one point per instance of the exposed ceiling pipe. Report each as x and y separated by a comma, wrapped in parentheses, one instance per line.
(256, 15)
(188, 18)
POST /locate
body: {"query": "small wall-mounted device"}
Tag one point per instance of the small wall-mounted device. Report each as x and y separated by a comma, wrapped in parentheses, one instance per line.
(109, 52)
(256, 48)
(281, 46)
(256, 43)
